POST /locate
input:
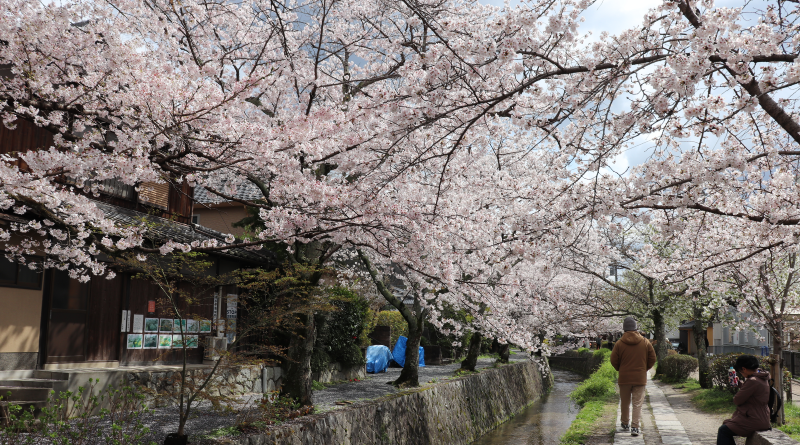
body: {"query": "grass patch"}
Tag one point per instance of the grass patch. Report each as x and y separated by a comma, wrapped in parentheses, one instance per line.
(585, 424)
(597, 398)
(711, 400)
(225, 431)
(792, 425)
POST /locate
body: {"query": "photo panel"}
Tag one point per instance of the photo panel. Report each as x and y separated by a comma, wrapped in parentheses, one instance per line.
(205, 326)
(165, 325)
(164, 341)
(192, 326)
(151, 324)
(177, 341)
(134, 341)
(150, 341)
(177, 324)
(192, 341)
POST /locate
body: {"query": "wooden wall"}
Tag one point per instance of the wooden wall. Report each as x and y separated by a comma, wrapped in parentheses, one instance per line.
(138, 296)
(104, 321)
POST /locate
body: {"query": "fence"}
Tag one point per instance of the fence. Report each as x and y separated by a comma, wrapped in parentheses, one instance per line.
(727, 349)
(791, 361)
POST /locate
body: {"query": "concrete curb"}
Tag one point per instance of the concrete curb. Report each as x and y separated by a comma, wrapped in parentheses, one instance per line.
(771, 437)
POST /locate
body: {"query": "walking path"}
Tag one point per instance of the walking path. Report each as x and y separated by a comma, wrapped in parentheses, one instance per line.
(669, 418)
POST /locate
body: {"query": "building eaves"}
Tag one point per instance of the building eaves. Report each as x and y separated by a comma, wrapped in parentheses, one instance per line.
(163, 229)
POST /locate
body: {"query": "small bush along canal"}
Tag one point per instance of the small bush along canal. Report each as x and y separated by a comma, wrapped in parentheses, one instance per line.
(597, 397)
(543, 422)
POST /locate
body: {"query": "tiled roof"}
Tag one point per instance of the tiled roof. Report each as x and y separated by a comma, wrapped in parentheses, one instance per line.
(164, 229)
(244, 191)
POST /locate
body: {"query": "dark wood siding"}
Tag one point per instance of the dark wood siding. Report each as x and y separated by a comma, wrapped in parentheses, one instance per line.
(26, 136)
(103, 327)
(141, 292)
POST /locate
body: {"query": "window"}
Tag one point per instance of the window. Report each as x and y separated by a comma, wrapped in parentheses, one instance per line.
(195, 219)
(19, 275)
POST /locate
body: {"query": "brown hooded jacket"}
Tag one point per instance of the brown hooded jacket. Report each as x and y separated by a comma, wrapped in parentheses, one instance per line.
(632, 357)
(752, 412)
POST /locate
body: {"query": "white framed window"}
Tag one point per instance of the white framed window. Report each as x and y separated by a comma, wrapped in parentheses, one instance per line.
(195, 219)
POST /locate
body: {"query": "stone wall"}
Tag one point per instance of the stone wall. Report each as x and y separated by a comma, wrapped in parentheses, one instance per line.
(584, 363)
(452, 412)
(771, 437)
(337, 372)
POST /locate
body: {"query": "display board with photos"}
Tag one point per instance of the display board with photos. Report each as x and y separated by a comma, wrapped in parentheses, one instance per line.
(134, 341)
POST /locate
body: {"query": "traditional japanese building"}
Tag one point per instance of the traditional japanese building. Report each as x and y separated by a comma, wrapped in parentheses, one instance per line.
(50, 321)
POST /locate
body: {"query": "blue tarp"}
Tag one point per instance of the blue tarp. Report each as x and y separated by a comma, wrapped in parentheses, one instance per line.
(378, 357)
(399, 352)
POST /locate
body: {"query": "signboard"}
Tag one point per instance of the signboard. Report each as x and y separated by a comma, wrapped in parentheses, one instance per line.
(138, 324)
(151, 306)
(124, 326)
(232, 307)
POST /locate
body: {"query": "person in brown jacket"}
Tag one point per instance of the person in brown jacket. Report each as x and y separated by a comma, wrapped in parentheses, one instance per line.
(632, 356)
(752, 409)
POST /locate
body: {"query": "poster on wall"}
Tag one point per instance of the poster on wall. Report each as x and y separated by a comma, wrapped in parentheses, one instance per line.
(191, 341)
(177, 341)
(165, 325)
(138, 324)
(192, 326)
(124, 326)
(205, 326)
(151, 325)
(134, 341)
(164, 341)
(150, 341)
(179, 325)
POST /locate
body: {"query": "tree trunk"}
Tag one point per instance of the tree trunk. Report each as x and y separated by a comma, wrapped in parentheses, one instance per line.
(297, 378)
(776, 370)
(700, 333)
(660, 334)
(409, 376)
(472, 354)
(504, 352)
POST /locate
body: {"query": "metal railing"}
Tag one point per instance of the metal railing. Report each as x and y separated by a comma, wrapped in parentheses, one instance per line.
(744, 349)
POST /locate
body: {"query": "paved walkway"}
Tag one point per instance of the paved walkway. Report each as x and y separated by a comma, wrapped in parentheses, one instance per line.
(669, 418)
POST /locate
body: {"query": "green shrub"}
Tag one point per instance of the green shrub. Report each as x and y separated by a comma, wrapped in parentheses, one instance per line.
(319, 360)
(599, 385)
(395, 321)
(594, 396)
(719, 366)
(601, 352)
(76, 418)
(676, 368)
(345, 326)
(672, 352)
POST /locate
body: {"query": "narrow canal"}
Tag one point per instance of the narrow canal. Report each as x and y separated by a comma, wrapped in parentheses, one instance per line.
(545, 421)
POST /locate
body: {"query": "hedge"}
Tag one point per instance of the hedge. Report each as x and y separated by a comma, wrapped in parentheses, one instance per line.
(677, 367)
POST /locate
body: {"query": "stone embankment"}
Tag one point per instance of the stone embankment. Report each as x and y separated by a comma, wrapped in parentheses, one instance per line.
(454, 412)
(584, 363)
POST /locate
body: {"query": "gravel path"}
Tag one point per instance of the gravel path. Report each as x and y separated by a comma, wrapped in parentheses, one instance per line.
(701, 427)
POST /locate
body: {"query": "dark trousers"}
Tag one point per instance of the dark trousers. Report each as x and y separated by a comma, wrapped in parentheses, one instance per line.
(725, 436)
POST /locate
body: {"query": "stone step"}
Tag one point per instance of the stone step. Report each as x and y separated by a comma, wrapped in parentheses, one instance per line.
(24, 393)
(37, 383)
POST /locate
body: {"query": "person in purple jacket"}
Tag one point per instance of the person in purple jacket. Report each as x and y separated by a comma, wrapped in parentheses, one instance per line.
(752, 410)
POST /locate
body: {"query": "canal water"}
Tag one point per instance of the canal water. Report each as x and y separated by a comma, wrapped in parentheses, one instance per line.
(545, 421)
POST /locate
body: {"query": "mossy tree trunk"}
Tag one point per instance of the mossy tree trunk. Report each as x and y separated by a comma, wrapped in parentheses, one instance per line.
(414, 316)
(297, 378)
(471, 360)
(660, 334)
(504, 352)
(700, 333)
